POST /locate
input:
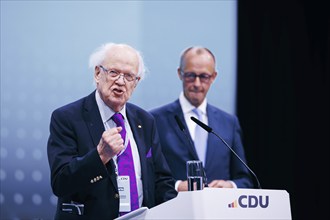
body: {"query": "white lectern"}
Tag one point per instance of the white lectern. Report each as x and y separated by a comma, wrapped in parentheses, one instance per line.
(216, 203)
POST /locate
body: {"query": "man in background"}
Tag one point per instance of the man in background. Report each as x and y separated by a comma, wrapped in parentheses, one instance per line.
(197, 72)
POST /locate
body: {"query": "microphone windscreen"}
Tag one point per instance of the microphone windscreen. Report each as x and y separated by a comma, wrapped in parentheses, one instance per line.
(204, 126)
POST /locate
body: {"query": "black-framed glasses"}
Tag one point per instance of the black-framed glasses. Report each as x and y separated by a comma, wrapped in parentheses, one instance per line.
(114, 74)
(191, 77)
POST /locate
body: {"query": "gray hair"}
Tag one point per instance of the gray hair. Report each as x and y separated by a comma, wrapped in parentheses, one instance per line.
(98, 56)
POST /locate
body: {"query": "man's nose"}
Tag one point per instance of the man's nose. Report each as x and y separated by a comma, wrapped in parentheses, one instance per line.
(121, 78)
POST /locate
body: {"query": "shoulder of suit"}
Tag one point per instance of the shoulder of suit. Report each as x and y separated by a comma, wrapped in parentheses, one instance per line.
(136, 110)
(73, 105)
(170, 107)
(215, 110)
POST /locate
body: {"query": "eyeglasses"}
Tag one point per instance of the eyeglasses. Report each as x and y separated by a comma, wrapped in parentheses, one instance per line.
(191, 77)
(113, 74)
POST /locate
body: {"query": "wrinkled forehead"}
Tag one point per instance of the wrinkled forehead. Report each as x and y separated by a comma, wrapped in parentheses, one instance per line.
(122, 56)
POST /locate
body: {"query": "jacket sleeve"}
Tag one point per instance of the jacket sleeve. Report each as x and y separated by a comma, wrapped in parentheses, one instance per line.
(73, 167)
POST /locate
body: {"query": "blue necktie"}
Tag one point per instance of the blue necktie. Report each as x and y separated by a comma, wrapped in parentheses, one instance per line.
(200, 140)
(126, 164)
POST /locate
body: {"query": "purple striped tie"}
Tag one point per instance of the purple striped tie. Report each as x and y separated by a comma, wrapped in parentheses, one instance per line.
(125, 163)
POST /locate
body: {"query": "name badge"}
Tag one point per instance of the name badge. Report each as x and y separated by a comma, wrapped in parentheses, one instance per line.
(124, 193)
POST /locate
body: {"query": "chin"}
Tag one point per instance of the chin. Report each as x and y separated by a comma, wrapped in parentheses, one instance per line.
(195, 102)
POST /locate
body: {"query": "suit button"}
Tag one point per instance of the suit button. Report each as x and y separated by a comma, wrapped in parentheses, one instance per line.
(116, 196)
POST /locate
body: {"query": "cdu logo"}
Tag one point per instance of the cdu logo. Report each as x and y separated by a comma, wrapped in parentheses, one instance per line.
(250, 201)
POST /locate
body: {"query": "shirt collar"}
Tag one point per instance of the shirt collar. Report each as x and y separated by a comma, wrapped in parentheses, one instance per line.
(187, 107)
(105, 111)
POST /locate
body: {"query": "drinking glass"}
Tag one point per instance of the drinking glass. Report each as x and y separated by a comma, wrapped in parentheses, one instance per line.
(195, 175)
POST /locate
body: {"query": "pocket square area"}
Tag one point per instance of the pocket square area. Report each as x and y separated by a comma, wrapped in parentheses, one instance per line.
(149, 154)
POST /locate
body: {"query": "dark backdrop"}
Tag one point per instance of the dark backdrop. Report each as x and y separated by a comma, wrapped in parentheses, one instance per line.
(283, 99)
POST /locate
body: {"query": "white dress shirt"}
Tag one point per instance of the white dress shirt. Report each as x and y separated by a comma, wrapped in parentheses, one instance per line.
(187, 109)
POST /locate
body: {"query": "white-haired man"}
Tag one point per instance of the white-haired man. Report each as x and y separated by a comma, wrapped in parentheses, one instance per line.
(104, 153)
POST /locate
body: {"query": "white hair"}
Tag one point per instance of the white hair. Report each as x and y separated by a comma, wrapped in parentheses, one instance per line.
(98, 56)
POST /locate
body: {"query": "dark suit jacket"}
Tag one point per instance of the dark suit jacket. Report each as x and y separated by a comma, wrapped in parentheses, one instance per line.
(77, 172)
(221, 163)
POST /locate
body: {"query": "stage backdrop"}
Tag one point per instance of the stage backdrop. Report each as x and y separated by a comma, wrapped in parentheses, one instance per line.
(45, 47)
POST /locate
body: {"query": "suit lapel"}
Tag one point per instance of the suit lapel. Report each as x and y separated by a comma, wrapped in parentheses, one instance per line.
(211, 140)
(93, 119)
(96, 128)
(138, 129)
(176, 110)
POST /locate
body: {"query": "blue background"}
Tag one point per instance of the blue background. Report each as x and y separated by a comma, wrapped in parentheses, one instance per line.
(45, 47)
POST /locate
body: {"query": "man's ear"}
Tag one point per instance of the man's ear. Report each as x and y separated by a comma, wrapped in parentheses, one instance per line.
(214, 75)
(97, 73)
(137, 81)
(179, 73)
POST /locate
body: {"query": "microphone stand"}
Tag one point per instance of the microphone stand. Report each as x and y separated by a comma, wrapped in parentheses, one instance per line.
(210, 130)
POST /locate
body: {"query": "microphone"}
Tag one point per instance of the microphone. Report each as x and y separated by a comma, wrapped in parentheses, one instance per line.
(182, 128)
(210, 130)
